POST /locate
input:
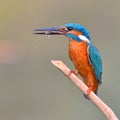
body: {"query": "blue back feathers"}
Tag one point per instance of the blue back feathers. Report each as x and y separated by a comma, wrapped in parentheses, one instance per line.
(95, 61)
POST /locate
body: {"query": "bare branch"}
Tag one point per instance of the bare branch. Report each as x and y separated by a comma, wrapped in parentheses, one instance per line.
(106, 110)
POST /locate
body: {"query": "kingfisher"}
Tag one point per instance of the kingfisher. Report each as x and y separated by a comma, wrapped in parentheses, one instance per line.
(83, 54)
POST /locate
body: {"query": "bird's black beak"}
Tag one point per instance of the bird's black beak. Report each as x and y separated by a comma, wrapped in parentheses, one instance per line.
(50, 31)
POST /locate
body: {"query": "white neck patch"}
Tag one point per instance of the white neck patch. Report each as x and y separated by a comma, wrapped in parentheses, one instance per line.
(83, 38)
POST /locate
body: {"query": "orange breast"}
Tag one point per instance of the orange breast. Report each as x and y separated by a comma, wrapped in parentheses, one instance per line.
(79, 57)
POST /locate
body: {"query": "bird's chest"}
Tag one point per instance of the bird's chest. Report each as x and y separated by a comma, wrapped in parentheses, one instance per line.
(78, 55)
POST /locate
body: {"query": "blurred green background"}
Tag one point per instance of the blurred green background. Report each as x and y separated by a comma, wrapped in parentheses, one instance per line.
(31, 88)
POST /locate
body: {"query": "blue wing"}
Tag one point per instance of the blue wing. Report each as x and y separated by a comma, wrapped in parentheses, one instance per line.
(95, 61)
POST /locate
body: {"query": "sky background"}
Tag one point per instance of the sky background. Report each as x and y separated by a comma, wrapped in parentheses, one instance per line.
(31, 88)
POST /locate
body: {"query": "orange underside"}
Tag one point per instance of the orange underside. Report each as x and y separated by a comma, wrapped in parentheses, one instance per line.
(79, 57)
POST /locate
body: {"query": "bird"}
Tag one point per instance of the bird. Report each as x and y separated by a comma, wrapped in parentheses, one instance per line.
(84, 55)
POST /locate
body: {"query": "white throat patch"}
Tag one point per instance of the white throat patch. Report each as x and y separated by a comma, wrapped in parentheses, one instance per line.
(82, 37)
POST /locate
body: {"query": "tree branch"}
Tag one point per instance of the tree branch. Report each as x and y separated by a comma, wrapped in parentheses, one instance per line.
(106, 110)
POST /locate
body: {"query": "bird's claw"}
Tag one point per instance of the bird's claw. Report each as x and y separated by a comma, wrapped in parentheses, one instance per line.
(74, 72)
(89, 90)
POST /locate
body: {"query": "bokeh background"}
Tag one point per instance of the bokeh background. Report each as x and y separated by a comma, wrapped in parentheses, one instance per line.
(31, 88)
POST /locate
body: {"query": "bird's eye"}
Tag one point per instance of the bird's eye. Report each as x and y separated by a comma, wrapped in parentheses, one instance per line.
(69, 28)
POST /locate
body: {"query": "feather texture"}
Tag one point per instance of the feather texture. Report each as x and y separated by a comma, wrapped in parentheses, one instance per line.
(95, 61)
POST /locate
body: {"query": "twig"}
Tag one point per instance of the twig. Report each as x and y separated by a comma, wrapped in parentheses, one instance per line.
(106, 110)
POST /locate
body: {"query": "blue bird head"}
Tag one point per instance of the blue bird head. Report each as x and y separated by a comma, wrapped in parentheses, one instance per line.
(72, 30)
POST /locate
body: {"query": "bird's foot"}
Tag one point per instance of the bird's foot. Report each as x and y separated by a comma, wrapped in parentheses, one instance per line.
(74, 72)
(89, 89)
(88, 92)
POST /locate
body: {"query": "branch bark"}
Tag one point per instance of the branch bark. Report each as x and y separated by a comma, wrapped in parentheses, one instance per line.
(106, 110)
